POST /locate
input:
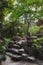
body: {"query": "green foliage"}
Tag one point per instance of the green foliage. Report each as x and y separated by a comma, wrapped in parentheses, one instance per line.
(38, 42)
(21, 8)
(2, 47)
(34, 30)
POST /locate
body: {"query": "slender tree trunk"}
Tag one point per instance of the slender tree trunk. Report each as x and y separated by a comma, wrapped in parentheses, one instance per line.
(28, 33)
(28, 23)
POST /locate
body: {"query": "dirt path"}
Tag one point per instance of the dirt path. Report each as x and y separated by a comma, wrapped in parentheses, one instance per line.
(9, 62)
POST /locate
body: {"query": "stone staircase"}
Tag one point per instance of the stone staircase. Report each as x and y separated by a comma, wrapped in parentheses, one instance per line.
(16, 52)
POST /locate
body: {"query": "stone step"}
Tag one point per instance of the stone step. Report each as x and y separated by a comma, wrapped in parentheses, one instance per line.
(24, 55)
(27, 57)
(21, 50)
(31, 58)
(19, 43)
(17, 47)
(15, 51)
(15, 57)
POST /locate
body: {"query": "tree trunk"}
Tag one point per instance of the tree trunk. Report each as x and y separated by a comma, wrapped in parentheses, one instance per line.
(28, 23)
